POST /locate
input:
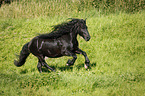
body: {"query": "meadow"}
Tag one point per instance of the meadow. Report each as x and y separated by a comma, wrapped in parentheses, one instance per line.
(116, 49)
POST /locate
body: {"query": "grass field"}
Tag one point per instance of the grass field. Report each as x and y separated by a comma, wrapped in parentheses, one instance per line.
(116, 52)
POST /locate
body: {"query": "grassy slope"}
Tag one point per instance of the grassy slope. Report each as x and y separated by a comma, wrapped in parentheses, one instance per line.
(116, 52)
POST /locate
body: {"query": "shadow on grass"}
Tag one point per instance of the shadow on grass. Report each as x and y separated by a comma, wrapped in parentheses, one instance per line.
(67, 68)
(44, 69)
(80, 66)
(63, 68)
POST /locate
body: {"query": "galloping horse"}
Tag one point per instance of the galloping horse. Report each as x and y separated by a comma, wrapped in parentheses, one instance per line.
(62, 41)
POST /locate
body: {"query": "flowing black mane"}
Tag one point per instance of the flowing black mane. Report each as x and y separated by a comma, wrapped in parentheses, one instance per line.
(61, 29)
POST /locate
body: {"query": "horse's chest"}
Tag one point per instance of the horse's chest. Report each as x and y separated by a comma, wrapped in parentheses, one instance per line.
(71, 45)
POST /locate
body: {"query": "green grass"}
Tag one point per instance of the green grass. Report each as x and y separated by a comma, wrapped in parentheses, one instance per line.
(116, 52)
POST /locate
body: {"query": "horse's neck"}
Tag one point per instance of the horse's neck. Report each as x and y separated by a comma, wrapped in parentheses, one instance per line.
(73, 38)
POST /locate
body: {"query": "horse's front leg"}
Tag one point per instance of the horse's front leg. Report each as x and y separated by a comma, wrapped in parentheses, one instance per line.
(72, 61)
(87, 61)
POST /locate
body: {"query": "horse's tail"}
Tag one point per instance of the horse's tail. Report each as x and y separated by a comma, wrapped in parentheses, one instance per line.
(23, 55)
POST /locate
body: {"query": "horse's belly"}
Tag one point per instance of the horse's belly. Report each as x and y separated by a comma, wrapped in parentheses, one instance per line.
(52, 51)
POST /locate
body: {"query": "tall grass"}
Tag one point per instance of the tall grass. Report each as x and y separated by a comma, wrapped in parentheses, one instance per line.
(36, 8)
(130, 6)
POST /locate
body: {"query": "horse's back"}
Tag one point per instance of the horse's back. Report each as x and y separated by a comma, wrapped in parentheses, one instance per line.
(46, 47)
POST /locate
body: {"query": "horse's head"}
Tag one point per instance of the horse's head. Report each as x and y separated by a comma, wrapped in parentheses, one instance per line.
(82, 29)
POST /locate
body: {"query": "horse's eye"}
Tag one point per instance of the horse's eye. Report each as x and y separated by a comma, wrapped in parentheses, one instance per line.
(82, 26)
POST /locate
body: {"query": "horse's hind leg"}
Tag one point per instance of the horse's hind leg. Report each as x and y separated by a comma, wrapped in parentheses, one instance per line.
(43, 63)
(39, 66)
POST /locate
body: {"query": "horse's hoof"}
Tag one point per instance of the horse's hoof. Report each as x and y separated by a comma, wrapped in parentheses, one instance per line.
(67, 64)
(40, 71)
(86, 66)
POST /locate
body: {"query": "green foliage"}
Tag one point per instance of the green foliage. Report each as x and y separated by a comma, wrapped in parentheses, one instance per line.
(119, 5)
(36, 8)
(116, 51)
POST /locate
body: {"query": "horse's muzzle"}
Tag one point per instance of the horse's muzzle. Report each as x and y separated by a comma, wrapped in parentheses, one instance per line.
(87, 38)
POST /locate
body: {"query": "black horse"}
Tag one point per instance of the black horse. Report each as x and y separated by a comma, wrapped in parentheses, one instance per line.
(62, 41)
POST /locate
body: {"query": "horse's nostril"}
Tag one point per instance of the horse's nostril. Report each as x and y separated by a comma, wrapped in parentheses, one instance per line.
(88, 38)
